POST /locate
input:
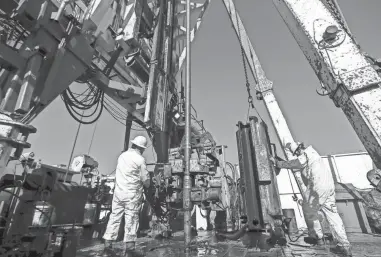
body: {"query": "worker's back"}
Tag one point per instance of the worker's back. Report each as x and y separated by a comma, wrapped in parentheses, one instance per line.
(128, 183)
(318, 174)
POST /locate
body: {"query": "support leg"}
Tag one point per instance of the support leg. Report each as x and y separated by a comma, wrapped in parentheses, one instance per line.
(335, 222)
(312, 220)
(117, 211)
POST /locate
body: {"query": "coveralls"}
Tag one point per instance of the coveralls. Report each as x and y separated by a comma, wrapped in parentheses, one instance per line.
(320, 195)
(131, 172)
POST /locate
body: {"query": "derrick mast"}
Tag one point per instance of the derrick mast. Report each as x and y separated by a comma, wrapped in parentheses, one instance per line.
(350, 76)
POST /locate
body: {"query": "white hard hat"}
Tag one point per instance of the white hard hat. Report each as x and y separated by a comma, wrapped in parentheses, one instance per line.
(140, 141)
(293, 146)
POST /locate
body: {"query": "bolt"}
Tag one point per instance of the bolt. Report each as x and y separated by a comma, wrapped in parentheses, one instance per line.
(330, 33)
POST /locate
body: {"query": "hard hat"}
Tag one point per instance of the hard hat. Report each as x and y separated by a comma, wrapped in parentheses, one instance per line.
(293, 146)
(140, 141)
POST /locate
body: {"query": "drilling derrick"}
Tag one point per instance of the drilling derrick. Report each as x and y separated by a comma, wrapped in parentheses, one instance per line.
(121, 49)
(350, 77)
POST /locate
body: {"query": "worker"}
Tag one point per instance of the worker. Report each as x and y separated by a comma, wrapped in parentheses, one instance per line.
(319, 196)
(130, 179)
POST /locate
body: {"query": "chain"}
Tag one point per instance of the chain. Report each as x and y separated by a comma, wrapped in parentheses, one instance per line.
(339, 18)
(250, 98)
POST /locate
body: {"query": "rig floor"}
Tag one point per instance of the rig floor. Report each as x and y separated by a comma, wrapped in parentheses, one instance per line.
(364, 245)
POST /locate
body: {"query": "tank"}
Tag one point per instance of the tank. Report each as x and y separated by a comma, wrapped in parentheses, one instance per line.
(292, 225)
(44, 215)
(90, 214)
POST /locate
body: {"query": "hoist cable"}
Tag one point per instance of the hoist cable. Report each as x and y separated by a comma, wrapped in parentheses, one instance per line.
(295, 197)
(334, 8)
(250, 97)
(92, 137)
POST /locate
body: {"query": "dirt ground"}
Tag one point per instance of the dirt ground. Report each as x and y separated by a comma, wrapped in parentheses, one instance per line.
(364, 245)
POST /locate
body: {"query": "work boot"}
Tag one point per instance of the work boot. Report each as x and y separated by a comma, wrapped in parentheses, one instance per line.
(130, 251)
(107, 251)
(314, 241)
(342, 250)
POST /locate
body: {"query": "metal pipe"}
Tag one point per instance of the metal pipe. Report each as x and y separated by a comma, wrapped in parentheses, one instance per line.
(127, 133)
(29, 83)
(61, 10)
(153, 66)
(74, 144)
(229, 225)
(187, 181)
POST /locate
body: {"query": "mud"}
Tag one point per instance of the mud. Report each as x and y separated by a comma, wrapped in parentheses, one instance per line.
(364, 245)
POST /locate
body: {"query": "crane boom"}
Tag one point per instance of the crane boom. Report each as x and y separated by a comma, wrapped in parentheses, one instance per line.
(351, 80)
(264, 87)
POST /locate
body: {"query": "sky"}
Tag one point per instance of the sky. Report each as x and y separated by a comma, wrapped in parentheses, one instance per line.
(218, 88)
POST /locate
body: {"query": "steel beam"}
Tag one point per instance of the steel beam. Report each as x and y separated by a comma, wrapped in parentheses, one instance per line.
(154, 77)
(131, 29)
(192, 35)
(160, 98)
(263, 83)
(264, 86)
(352, 81)
(187, 204)
(100, 81)
(120, 65)
(100, 18)
(11, 58)
(29, 83)
(194, 8)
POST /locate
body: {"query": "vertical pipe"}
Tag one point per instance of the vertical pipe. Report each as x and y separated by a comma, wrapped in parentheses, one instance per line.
(12, 92)
(127, 133)
(61, 9)
(187, 180)
(156, 50)
(229, 225)
(336, 175)
(4, 75)
(74, 144)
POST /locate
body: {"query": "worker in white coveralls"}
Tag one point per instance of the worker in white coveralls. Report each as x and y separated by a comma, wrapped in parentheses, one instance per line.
(320, 196)
(131, 176)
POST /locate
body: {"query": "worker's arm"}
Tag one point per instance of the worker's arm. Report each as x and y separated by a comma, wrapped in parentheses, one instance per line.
(298, 163)
(144, 175)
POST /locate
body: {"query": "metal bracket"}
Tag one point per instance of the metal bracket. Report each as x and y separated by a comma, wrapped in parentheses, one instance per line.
(10, 59)
(361, 78)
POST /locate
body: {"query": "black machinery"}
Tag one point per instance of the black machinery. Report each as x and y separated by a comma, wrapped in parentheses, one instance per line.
(261, 211)
(39, 213)
(209, 184)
